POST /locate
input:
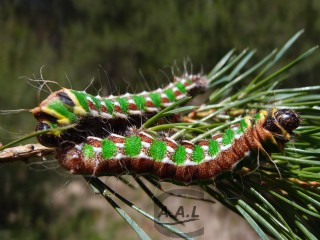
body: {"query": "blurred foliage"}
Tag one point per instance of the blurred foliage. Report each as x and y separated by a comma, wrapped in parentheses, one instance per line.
(134, 45)
(120, 43)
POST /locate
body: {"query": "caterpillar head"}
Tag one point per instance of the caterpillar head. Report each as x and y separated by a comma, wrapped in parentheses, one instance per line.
(281, 123)
(57, 108)
(54, 111)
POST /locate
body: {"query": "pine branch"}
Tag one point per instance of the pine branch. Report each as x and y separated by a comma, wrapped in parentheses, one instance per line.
(278, 198)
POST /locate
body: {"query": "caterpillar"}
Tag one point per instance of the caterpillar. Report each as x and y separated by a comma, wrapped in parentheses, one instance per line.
(101, 115)
(141, 153)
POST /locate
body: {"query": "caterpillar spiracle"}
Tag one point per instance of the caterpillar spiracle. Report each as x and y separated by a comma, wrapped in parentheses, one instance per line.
(101, 115)
(141, 153)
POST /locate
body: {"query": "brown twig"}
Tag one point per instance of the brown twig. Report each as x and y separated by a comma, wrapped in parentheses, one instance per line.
(22, 153)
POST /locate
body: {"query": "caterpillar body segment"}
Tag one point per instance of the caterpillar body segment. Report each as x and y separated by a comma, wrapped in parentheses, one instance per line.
(141, 153)
(68, 106)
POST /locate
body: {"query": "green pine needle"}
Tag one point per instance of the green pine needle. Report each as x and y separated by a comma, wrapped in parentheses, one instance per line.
(290, 183)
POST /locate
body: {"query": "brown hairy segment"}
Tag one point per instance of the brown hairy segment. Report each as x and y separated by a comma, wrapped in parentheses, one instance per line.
(255, 137)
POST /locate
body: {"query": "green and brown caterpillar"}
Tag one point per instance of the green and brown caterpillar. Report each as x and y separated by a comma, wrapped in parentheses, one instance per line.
(98, 144)
(101, 115)
(141, 153)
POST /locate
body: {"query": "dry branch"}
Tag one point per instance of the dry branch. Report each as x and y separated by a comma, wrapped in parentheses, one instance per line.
(22, 153)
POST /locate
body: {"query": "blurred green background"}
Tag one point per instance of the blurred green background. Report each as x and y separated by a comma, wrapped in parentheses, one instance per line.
(124, 46)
